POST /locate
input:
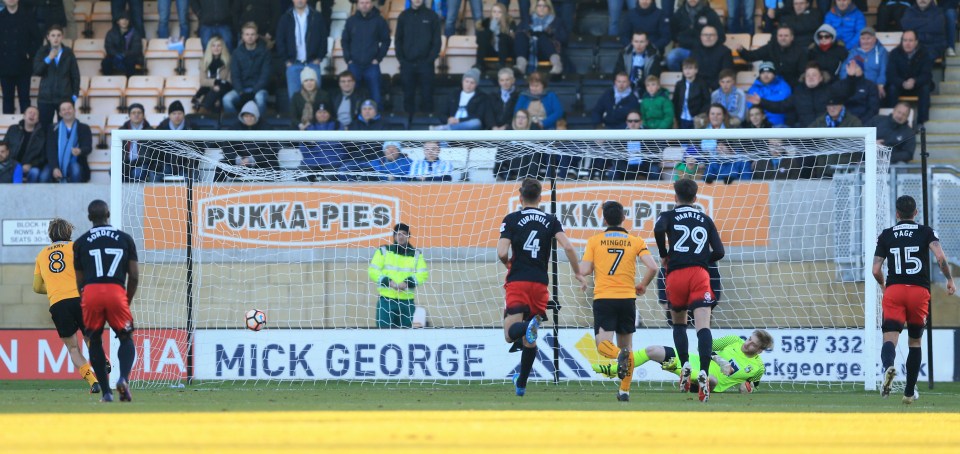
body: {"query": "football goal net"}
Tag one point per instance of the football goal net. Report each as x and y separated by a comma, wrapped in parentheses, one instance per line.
(302, 225)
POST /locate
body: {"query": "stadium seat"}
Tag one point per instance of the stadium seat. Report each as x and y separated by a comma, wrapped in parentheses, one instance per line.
(590, 93)
(889, 40)
(423, 122)
(101, 19)
(192, 56)
(145, 90)
(105, 95)
(396, 122)
(582, 53)
(6, 121)
(115, 121)
(90, 53)
(458, 157)
(96, 122)
(162, 61)
(581, 122)
(759, 40)
(607, 59)
(81, 15)
(481, 165)
(154, 118)
(35, 86)
(151, 17)
(736, 40)
(460, 53)
(745, 79)
(669, 79)
(180, 88)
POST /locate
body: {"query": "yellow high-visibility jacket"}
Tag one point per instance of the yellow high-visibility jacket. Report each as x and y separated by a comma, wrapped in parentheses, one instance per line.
(398, 264)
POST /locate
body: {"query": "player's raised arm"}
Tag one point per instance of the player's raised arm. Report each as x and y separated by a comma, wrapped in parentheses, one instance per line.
(942, 261)
(567, 246)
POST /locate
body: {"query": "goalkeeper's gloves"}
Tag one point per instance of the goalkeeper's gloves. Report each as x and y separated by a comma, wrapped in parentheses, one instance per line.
(746, 388)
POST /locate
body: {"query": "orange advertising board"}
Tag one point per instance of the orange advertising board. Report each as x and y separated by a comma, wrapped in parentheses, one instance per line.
(440, 215)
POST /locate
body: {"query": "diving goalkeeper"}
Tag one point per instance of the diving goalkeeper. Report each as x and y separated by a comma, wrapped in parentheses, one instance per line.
(736, 362)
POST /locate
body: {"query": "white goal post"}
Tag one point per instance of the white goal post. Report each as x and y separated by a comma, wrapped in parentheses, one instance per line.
(297, 245)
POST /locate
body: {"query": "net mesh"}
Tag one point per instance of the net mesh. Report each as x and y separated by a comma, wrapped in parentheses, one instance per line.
(291, 226)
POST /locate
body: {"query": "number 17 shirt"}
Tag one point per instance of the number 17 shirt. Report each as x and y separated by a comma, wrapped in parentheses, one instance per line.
(530, 232)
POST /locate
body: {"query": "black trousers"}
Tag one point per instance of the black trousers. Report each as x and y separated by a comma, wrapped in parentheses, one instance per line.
(414, 74)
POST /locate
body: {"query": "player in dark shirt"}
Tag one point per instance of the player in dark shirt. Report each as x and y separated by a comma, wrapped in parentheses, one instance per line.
(906, 299)
(694, 244)
(107, 275)
(524, 248)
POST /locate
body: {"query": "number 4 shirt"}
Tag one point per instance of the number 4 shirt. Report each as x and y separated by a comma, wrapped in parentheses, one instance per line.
(530, 232)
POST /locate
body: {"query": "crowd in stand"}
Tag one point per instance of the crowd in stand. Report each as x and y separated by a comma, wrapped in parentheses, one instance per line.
(824, 67)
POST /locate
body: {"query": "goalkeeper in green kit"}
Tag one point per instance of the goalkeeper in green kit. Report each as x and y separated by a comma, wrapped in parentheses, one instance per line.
(736, 362)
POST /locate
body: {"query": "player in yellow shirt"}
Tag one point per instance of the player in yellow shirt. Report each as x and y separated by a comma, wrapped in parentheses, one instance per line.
(613, 255)
(54, 276)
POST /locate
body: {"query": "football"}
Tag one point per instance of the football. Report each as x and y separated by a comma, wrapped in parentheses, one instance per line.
(256, 319)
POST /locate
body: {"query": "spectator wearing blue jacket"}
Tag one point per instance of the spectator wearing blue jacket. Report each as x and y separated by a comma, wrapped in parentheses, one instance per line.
(365, 41)
(647, 18)
(543, 106)
(10, 170)
(323, 156)
(723, 163)
(873, 58)
(929, 22)
(847, 20)
(769, 86)
(301, 42)
(611, 109)
(392, 165)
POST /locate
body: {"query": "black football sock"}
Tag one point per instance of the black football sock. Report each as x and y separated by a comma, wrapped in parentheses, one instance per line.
(888, 353)
(517, 330)
(705, 348)
(126, 354)
(681, 343)
(913, 370)
(98, 359)
(526, 364)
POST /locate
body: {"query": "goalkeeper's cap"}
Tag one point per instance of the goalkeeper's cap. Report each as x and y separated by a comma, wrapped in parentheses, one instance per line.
(401, 227)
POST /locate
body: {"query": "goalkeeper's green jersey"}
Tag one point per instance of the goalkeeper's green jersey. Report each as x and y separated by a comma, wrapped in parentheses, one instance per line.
(744, 369)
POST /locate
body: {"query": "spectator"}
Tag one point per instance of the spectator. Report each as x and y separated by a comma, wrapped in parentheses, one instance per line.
(266, 14)
(495, 36)
(541, 39)
(60, 76)
(861, 97)
(69, 142)
(807, 101)
(836, 116)
(612, 108)
(802, 19)
(469, 109)
(345, 103)
(214, 77)
(183, 19)
(635, 166)
(397, 269)
(503, 103)
(691, 96)
(740, 16)
(889, 13)
(732, 98)
(893, 131)
(453, 13)
(650, 20)
(509, 167)
(787, 55)
(431, 167)
(18, 39)
(910, 72)
(770, 86)
(124, 48)
(826, 51)
(847, 20)
(252, 154)
(639, 60)
(27, 141)
(301, 43)
(369, 118)
(685, 27)
(133, 10)
(11, 171)
(717, 118)
(873, 58)
(137, 167)
(50, 13)
(249, 72)
(215, 20)
(522, 5)
(393, 165)
(323, 156)
(771, 10)
(655, 106)
(543, 106)
(929, 22)
(727, 166)
(417, 47)
(949, 8)
(175, 121)
(711, 57)
(614, 8)
(365, 40)
(308, 99)
(756, 119)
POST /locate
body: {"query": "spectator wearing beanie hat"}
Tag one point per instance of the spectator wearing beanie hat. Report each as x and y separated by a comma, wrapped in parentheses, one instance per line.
(369, 118)
(468, 109)
(770, 87)
(176, 121)
(306, 100)
(253, 154)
